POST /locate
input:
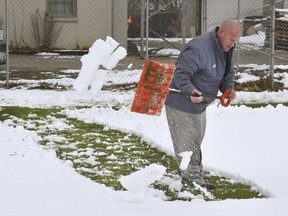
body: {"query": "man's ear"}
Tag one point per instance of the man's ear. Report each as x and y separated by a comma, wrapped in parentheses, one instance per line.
(220, 32)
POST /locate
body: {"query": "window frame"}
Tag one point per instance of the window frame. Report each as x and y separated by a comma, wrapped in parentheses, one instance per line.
(63, 15)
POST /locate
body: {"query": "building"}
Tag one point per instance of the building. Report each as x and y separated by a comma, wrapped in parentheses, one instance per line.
(81, 21)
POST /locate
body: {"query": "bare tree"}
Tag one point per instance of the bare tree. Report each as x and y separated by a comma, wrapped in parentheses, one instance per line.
(45, 30)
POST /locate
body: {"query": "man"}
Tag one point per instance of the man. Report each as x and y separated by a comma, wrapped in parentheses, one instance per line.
(203, 66)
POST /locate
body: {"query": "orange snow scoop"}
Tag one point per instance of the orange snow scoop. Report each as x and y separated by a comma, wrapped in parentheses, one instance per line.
(153, 88)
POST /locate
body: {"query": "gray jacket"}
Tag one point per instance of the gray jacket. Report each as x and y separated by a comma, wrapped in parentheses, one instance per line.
(202, 65)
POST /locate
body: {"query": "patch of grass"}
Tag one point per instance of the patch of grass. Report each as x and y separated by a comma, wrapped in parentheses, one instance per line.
(226, 189)
(104, 154)
(259, 105)
(233, 190)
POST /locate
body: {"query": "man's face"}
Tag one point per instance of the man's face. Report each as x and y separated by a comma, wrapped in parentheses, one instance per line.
(227, 40)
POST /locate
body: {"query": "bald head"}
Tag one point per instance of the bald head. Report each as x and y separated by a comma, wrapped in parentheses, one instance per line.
(228, 34)
(231, 26)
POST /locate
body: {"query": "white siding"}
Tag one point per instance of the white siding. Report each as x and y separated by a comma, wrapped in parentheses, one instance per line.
(94, 20)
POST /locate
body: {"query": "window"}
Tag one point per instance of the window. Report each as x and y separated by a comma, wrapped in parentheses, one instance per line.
(62, 8)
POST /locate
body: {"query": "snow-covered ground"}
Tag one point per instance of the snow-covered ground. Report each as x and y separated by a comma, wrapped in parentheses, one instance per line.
(244, 144)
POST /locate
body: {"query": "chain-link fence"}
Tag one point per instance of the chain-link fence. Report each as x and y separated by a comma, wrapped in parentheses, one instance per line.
(259, 51)
(57, 33)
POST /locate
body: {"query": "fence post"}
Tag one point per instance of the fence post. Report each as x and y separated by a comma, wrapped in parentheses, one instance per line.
(183, 23)
(112, 18)
(238, 48)
(147, 29)
(204, 17)
(7, 43)
(142, 28)
(272, 44)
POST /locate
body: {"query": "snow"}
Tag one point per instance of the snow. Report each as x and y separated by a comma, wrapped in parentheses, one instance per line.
(139, 181)
(251, 42)
(245, 144)
(106, 53)
(185, 159)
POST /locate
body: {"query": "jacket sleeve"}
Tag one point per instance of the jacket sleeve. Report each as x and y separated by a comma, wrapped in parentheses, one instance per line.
(189, 62)
(228, 79)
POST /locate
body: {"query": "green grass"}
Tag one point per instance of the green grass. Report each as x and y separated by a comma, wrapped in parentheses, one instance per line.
(259, 105)
(104, 155)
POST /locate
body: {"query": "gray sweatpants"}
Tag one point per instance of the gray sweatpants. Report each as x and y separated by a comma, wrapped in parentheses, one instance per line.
(187, 132)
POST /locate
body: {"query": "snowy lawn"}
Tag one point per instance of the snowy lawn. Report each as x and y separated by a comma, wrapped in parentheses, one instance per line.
(105, 155)
(244, 144)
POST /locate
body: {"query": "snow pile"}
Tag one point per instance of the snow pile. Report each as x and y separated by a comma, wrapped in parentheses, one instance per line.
(139, 181)
(105, 53)
(185, 159)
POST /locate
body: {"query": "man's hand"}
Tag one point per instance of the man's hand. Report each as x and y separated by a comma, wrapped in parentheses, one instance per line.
(232, 95)
(196, 99)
